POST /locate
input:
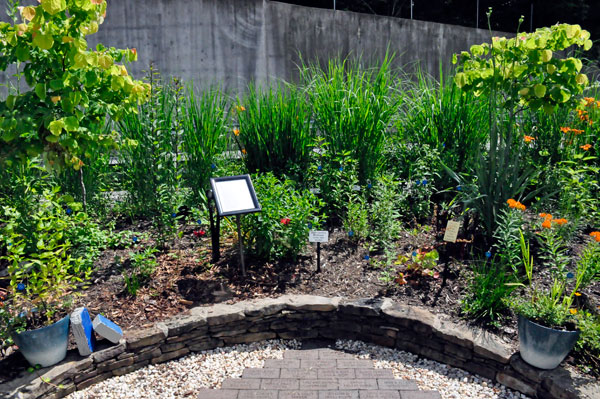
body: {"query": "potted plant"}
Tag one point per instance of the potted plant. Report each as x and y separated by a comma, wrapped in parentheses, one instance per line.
(547, 328)
(42, 273)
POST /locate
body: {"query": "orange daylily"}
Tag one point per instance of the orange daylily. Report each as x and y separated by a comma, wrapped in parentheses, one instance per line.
(596, 235)
(236, 132)
(528, 139)
(586, 147)
(565, 129)
(577, 131)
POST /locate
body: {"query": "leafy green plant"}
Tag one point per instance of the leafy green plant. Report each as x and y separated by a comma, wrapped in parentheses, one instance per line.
(514, 73)
(385, 212)
(552, 308)
(41, 277)
(356, 222)
(486, 294)
(73, 88)
(508, 230)
(587, 348)
(590, 262)
(419, 263)
(142, 265)
(352, 108)
(281, 228)
(274, 130)
(335, 177)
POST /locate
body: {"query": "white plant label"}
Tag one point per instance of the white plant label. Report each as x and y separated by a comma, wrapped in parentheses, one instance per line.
(318, 236)
(451, 231)
(356, 188)
(315, 190)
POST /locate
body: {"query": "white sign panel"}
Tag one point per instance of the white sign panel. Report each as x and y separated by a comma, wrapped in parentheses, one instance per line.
(451, 231)
(318, 236)
(234, 195)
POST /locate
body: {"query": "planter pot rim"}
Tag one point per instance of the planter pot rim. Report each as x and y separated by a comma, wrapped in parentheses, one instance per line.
(45, 327)
(576, 331)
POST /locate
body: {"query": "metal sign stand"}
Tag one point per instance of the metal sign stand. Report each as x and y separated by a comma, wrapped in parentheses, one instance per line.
(238, 219)
(215, 228)
(318, 257)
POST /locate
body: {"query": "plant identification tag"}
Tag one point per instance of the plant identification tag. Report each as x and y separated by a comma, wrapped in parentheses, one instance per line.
(451, 231)
(318, 236)
(315, 190)
(355, 188)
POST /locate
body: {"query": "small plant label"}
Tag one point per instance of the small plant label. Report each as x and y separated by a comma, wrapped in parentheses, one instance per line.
(355, 188)
(315, 190)
(451, 231)
(318, 236)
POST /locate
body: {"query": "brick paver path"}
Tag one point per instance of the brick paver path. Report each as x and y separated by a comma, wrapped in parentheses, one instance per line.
(317, 374)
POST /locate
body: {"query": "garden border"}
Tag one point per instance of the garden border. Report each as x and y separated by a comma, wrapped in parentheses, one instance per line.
(380, 321)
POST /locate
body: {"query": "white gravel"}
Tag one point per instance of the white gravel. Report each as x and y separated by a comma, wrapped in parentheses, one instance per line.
(181, 378)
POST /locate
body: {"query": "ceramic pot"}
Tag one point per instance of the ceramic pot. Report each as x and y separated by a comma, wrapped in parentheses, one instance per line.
(45, 346)
(544, 347)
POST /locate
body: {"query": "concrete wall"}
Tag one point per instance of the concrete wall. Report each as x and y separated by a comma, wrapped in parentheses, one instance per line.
(237, 41)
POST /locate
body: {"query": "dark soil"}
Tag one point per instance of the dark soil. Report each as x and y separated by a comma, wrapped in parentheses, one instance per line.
(185, 277)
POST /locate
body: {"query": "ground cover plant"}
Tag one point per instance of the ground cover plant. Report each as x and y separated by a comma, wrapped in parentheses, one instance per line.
(117, 207)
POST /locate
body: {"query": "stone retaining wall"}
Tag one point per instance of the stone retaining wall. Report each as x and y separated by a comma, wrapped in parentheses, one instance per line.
(380, 321)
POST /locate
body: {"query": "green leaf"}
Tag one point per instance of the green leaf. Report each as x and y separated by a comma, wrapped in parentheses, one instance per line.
(71, 124)
(45, 42)
(460, 79)
(587, 45)
(40, 90)
(10, 102)
(546, 55)
(56, 84)
(54, 6)
(22, 53)
(582, 79)
(56, 127)
(539, 90)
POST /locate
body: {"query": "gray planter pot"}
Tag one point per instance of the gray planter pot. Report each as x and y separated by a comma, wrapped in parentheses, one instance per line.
(45, 346)
(544, 347)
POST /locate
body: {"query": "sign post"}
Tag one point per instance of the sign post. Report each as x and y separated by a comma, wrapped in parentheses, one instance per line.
(318, 236)
(234, 195)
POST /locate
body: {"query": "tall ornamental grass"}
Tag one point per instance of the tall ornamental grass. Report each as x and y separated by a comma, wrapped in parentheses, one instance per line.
(204, 136)
(353, 108)
(438, 114)
(274, 132)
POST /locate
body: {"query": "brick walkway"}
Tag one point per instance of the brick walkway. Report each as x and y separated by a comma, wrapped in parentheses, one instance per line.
(317, 374)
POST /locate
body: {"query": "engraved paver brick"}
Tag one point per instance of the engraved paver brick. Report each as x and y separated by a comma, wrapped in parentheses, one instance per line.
(316, 385)
(301, 354)
(300, 373)
(298, 395)
(217, 394)
(358, 383)
(338, 394)
(337, 373)
(397, 384)
(354, 363)
(318, 364)
(282, 363)
(238, 383)
(260, 373)
(331, 354)
(420, 395)
(379, 395)
(281, 383)
(374, 373)
(258, 394)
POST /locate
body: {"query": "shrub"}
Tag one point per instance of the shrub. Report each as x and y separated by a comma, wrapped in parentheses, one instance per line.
(141, 266)
(281, 228)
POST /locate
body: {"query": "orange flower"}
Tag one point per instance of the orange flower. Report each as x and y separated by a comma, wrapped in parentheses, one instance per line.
(244, 151)
(528, 139)
(546, 216)
(565, 129)
(515, 204)
(573, 311)
(598, 104)
(547, 224)
(596, 235)
(560, 222)
(240, 108)
(583, 115)
(578, 294)
(589, 100)
(236, 132)
(577, 131)
(586, 147)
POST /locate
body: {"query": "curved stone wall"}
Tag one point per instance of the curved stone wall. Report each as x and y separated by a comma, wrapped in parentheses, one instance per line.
(380, 321)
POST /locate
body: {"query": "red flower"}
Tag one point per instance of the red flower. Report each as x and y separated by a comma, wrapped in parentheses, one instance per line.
(199, 233)
(285, 221)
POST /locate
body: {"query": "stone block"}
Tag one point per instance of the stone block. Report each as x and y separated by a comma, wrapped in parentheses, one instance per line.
(379, 394)
(354, 364)
(140, 357)
(94, 380)
(346, 394)
(170, 356)
(531, 373)
(358, 383)
(338, 374)
(396, 384)
(280, 384)
(239, 383)
(137, 339)
(480, 369)
(251, 337)
(229, 332)
(204, 393)
(311, 303)
(182, 324)
(193, 334)
(129, 369)
(317, 364)
(204, 344)
(258, 394)
(510, 380)
(220, 313)
(409, 316)
(105, 352)
(164, 348)
(375, 373)
(301, 374)
(459, 334)
(265, 307)
(461, 352)
(441, 357)
(563, 383)
(299, 334)
(298, 395)
(282, 363)
(114, 364)
(363, 307)
(318, 385)
(261, 373)
(491, 347)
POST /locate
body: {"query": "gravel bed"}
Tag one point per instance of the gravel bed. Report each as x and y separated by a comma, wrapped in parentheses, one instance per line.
(181, 378)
